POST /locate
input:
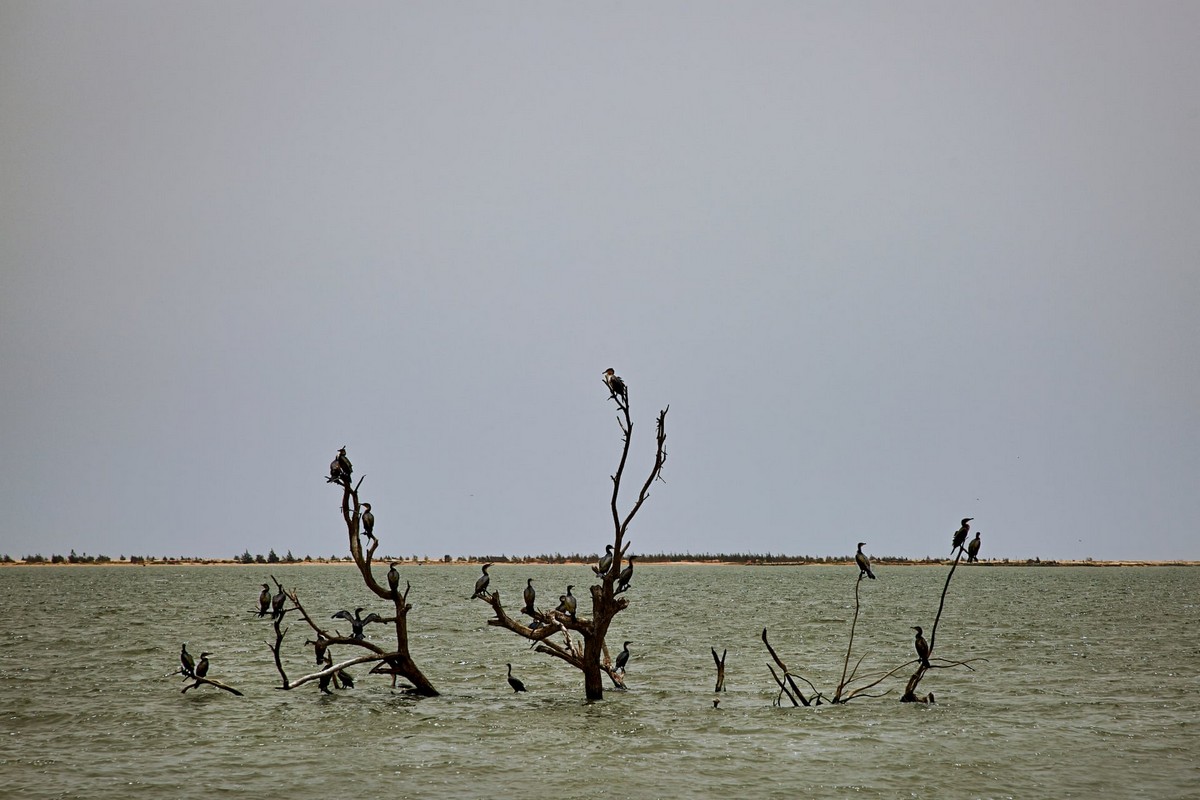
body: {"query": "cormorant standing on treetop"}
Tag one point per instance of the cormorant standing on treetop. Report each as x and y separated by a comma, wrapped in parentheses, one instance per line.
(973, 548)
(340, 469)
(864, 566)
(277, 603)
(622, 659)
(922, 646)
(264, 600)
(188, 664)
(515, 683)
(393, 578)
(626, 575)
(605, 561)
(530, 596)
(368, 521)
(481, 583)
(615, 384)
(202, 666)
(960, 535)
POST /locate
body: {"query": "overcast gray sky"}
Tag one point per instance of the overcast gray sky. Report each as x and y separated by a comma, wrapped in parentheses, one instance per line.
(890, 264)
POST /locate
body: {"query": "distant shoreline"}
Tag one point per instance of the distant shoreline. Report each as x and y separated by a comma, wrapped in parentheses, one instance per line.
(648, 561)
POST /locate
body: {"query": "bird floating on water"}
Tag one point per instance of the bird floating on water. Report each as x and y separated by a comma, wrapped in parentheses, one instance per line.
(864, 566)
(515, 683)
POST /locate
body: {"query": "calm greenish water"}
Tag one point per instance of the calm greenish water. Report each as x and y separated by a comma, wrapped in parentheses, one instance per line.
(1086, 684)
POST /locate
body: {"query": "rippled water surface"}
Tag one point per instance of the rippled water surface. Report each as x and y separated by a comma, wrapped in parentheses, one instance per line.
(1085, 683)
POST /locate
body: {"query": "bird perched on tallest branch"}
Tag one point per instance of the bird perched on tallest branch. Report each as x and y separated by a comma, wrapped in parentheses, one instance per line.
(340, 469)
(960, 535)
(615, 385)
(864, 566)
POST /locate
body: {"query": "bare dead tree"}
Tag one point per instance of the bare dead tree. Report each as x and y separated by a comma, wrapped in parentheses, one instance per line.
(720, 662)
(396, 661)
(923, 666)
(563, 634)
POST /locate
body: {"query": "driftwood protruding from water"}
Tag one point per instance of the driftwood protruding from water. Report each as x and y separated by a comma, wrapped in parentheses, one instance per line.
(720, 662)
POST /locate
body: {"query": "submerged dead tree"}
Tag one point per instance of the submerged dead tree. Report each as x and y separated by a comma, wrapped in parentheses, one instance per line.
(394, 660)
(561, 631)
(854, 683)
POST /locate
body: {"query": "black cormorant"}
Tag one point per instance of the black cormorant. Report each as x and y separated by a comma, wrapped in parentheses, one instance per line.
(340, 469)
(615, 384)
(393, 578)
(319, 648)
(368, 521)
(357, 622)
(622, 659)
(515, 683)
(187, 663)
(264, 600)
(605, 561)
(202, 666)
(973, 548)
(864, 566)
(626, 575)
(530, 596)
(960, 535)
(277, 604)
(922, 646)
(567, 604)
(481, 583)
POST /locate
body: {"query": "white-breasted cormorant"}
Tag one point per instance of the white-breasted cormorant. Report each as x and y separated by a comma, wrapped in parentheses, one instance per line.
(864, 566)
(357, 622)
(202, 665)
(960, 535)
(922, 646)
(622, 659)
(530, 596)
(277, 603)
(615, 385)
(605, 561)
(626, 574)
(973, 548)
(393, 577)
(264, 600)
(515, 683)
(340, 468)
(368, 521)
(187, 663)
(481, 583)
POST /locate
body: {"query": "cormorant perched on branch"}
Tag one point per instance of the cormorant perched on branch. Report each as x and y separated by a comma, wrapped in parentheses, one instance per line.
(187, 663)
(481, 583)
(615, 385)
(626, 575)
(530, 596)
(393, 577)
(264, 600)
(864, 566)
(605, 561)
(973, 548)
(922, 646)
(368, 521)
(960, 535)
(566, 603)
(357, 622)
(622, 659)
(277, 603)
(340, 469)
(515, 683)
(319, 648)
(202, 665)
